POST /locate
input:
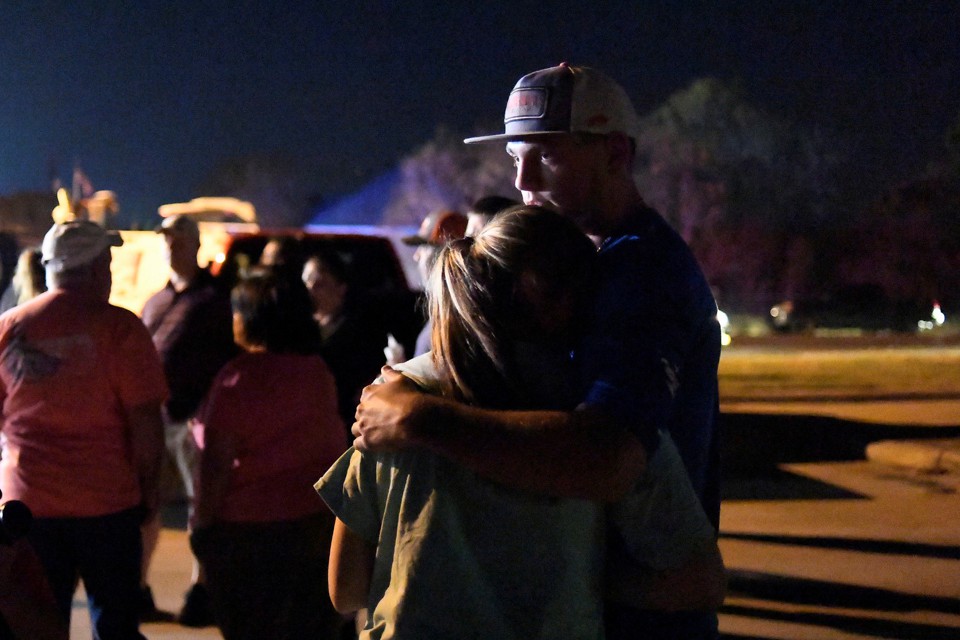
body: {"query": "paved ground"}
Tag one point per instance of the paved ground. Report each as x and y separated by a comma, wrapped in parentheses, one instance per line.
(843, 550)
(829, 550)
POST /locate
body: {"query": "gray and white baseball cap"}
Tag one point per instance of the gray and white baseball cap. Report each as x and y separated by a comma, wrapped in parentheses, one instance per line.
(562, 100)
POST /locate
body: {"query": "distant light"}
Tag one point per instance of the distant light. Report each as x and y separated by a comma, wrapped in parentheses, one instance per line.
(724, 322)
(937, 319)
(723, 319)
(938, 315)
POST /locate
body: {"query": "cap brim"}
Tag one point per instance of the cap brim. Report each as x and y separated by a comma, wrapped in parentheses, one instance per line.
(515, 137)
(413, 241)
(173, 231)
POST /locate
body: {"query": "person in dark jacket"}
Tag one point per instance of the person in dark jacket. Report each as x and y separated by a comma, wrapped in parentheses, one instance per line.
(192, 328)
(352, 340)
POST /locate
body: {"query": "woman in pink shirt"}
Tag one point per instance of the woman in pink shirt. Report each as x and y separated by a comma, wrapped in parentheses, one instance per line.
(267, 429)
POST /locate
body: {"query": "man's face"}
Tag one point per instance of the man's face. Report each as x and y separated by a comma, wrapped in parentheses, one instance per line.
(563, 174)
(271, 254)
(325, 290)
(181, 252)
(425, 256)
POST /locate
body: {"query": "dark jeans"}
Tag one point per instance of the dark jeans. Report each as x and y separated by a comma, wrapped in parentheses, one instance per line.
(104, 552)
(268, 581)
(625, 623)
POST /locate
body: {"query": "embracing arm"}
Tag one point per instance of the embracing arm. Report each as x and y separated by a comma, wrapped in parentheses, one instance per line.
(350, 568)
(575, 454)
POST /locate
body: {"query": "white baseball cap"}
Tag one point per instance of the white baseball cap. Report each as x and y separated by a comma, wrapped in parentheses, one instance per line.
(75, 243)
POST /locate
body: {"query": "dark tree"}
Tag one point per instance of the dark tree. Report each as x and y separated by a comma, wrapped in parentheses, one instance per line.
(447, 174)
(748, 191)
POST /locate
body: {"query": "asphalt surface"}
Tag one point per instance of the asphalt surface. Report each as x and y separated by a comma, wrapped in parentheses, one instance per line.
(842, 550)
(841, 516)
(822, 549)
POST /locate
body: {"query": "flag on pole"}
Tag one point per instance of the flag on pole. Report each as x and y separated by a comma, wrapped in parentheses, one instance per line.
(82, 187)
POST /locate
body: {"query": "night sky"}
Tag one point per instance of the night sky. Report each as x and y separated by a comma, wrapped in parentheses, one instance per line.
(150, 97)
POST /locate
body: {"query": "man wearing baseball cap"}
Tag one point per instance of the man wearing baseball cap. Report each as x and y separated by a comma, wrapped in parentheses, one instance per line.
(81, 388)
(191, 323)
(437, 228)
(649, 358)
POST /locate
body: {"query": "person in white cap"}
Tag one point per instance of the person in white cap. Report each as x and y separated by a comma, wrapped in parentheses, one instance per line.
(81, 387)
(648, 359)
(191, 324)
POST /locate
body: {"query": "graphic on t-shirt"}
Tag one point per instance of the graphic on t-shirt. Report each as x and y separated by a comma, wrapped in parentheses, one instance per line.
(29, 362)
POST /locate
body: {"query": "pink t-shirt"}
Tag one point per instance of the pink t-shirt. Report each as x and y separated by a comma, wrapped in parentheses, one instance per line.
(71, 366)
(281, 411)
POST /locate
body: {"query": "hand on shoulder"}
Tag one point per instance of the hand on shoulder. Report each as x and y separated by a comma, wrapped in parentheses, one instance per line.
(389, 413)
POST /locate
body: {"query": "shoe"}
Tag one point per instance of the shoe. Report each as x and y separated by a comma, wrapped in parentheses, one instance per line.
(147, 608)
(196, 611)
